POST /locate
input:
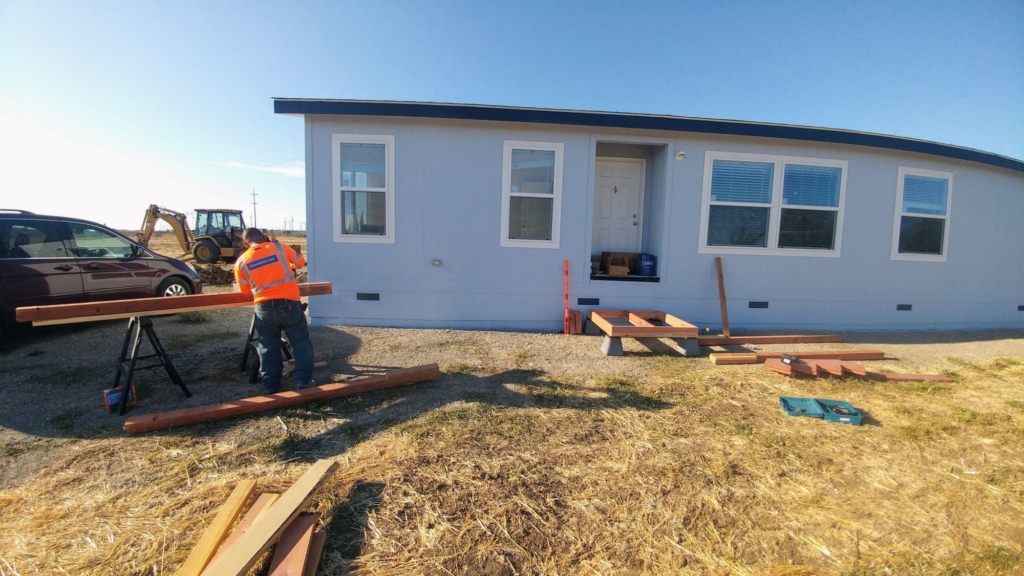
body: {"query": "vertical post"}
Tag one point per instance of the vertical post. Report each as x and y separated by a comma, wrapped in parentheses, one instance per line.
(253, 207)
(565, 296)
(721, 296)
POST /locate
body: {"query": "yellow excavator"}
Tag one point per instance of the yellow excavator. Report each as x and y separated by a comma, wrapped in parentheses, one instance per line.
(218, 232)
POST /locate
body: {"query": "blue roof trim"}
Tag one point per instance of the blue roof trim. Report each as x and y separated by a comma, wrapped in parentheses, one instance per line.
(638, 122)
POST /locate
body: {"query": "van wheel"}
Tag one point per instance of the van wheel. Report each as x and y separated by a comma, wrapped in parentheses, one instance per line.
(206, 252)
(173, 286)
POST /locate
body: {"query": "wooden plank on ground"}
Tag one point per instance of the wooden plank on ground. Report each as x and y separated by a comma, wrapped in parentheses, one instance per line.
(855, 368)
(176, 418)
(218, 529)
(776, 365)
(239, 558)
(729, 358)
(721, 296)
(833, 367)
(293, 548)
(783, 339)
(316, 550)
(258, 507)
(114, 309)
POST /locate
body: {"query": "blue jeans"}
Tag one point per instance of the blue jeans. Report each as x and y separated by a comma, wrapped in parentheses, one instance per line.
(273, 317)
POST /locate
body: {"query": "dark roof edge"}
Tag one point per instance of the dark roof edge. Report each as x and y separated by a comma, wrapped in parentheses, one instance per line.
(637, 121)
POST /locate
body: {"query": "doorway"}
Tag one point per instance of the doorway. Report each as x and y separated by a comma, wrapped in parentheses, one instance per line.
(618, 204)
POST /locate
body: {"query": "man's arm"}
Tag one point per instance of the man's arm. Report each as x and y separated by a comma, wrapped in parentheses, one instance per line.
(240, 281)
(294, 258)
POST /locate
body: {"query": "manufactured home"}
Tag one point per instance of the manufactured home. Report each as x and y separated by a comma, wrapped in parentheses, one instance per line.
(462, 216)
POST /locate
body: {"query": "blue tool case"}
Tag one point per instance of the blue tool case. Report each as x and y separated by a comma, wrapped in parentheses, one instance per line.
(830, 410)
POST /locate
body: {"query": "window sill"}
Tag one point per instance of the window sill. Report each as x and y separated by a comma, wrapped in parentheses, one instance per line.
(630, 278)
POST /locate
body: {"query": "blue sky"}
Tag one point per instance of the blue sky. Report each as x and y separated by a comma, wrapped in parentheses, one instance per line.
(107, 107)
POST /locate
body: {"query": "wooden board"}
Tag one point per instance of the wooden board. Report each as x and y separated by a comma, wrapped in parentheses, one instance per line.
(640, 326)
(258, 507)
(837, 368)
(832, 367)
(114, 309)
(316, 551)
(855, 369)
(780, 367)
(730, 358)
(239, 558)
(784, 339)
(176, 418)
(721, 296)
(218, 529)
(293, 548)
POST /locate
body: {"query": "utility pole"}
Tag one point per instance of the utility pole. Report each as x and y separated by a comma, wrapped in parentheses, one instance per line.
(253, 207)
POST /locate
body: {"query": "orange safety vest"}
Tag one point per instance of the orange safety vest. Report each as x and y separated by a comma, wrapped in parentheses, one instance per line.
(266, 271)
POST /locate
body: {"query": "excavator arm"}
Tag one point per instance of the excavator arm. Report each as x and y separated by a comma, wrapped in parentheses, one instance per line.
(177, 221)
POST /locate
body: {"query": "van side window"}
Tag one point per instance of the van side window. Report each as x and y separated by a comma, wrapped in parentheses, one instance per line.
(93, 242)
(34, 239)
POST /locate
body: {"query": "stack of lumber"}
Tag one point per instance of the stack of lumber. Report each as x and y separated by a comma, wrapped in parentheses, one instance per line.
(831, 367)
(574, 322)
(268, 519)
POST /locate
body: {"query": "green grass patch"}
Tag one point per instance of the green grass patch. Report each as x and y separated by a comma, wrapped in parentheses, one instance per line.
(459, 368)
(1015, 404)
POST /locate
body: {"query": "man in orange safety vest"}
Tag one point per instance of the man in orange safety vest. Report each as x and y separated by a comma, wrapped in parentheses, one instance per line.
(267, 271)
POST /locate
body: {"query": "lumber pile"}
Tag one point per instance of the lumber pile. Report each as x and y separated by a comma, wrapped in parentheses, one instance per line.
(115, 309)
(833, 367)
(177, 418)
(270, 519)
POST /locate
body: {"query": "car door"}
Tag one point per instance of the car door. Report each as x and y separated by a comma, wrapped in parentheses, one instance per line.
(36, 264)
(109, 264)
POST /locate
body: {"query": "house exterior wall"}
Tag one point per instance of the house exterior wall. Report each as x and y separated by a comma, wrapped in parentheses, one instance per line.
(447, 185)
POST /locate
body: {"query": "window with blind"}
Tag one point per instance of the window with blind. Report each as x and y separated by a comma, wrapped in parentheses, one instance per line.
(758, 204)
(531, 194)
(921, 227)
(363, 172)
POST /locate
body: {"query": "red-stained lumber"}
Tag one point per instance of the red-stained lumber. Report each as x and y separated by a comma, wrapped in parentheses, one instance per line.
(783, 339)
(177, 418)
(114, 309)
(721, 296)
(316, 550)
(838, 368)
(293, 548)
(730, 358)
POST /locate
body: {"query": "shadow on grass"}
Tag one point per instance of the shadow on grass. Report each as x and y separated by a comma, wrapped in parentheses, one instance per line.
(347, 529)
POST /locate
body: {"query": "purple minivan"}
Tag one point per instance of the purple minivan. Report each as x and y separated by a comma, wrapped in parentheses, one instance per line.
(57, 260)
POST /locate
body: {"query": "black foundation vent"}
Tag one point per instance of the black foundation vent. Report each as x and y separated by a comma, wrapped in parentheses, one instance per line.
(588, 301)
(367, 296)
(755, 304)
(904, 307)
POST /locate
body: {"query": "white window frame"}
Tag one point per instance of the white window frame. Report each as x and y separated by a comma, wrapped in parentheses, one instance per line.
(389, 157)
(902, 173)
(775, 214)
(506, 194)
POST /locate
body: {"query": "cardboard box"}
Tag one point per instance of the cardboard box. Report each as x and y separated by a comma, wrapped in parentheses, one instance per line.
(627, 260)
(614, 270)
(112, 397)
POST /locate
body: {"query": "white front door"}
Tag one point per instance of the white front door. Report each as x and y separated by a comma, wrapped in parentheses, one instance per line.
(618, 201)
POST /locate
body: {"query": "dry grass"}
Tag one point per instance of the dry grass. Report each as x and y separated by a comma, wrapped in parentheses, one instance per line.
(690, 468)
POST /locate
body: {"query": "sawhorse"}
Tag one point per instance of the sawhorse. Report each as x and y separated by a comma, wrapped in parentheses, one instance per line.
(128, 365)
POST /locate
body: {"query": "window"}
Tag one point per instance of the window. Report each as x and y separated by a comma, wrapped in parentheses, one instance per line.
(34, 239)
(531, 194)
(756, 204)
(921, 228)
(364, 200)
(91, 242)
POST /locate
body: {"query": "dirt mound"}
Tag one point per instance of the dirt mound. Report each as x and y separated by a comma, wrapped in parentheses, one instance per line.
(214, 275)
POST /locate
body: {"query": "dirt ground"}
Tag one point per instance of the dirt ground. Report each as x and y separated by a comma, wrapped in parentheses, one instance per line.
(533, 453)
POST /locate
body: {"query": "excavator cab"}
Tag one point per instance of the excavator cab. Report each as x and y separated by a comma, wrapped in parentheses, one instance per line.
(218, 235)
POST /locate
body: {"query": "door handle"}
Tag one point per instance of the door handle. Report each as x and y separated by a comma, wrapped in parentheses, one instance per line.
(63, 268)
(94, 266)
